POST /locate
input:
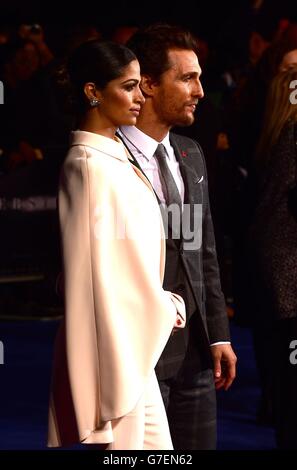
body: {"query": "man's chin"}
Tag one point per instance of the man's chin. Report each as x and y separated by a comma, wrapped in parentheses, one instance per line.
(186, 121)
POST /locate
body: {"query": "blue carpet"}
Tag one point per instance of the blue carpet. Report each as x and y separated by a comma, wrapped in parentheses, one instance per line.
(237, 427)
(25, 377)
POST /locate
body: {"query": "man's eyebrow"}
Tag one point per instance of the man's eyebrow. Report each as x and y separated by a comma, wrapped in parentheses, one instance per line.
(192, 74)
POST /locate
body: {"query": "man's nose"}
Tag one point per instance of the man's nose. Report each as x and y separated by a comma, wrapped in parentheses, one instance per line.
(201, 91)
(198, 91)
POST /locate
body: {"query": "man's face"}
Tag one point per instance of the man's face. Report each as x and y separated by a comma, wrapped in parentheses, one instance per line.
(176, 95)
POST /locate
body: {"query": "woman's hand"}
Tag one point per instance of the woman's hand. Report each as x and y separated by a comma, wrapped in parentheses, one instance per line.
(179, 323)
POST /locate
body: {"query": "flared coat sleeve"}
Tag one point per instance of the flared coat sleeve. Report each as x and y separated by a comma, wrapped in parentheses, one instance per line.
(118, 318)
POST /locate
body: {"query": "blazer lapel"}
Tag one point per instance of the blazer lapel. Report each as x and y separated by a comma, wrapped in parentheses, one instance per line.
(193, 191)
(190, 177)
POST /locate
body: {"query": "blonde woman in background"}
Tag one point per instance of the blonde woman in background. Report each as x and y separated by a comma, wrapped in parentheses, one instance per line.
(273, 249)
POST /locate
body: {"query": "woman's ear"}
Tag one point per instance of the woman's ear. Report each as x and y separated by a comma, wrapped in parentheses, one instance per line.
(147, 85)
(91, 92)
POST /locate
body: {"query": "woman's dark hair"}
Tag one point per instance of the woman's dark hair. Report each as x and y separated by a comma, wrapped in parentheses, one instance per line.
(93, 61)
(152, 43)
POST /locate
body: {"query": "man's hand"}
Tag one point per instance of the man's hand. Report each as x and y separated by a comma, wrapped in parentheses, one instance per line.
(224, 365)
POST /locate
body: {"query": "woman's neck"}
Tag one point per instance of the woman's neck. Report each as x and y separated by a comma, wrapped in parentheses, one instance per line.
(90, 123)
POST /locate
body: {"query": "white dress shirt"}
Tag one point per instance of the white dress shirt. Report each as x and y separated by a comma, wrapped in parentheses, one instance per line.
(143, 147)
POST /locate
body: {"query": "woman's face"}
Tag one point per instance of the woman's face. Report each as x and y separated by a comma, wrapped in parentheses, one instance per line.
(289, 60)
(121, 99)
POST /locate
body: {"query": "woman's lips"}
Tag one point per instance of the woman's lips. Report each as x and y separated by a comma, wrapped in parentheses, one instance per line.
(135, 111)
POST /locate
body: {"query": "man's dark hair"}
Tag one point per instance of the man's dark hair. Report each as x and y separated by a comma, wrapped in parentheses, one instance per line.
(151, 45)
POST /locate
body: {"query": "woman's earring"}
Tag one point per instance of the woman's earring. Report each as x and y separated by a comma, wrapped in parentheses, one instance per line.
(94, 102)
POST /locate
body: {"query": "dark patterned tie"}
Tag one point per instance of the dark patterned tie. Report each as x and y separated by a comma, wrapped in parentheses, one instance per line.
(169, 187)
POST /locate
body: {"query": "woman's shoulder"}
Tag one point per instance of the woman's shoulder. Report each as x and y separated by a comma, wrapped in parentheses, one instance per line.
(74, 157)
(99, 157)
(92, 164)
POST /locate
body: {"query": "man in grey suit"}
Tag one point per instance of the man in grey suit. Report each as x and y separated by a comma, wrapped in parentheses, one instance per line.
(198, 359)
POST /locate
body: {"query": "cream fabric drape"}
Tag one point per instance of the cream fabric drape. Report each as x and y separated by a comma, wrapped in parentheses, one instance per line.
(117, 316)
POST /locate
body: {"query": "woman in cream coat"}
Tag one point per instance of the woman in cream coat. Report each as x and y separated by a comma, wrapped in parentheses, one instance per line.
(118, 318)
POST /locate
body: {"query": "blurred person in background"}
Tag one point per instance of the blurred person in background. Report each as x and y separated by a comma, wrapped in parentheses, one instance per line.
(273, 257)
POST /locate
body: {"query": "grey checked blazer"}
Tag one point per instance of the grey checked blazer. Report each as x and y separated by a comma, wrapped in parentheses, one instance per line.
(194, 274)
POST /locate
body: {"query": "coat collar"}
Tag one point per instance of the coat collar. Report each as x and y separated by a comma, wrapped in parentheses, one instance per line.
(110, 147)
(113, 148)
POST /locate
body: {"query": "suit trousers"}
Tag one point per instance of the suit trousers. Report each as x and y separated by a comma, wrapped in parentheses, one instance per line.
(146, 426)
(191, 410)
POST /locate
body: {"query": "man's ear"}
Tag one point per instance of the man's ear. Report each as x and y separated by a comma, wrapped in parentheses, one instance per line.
(147, 85)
